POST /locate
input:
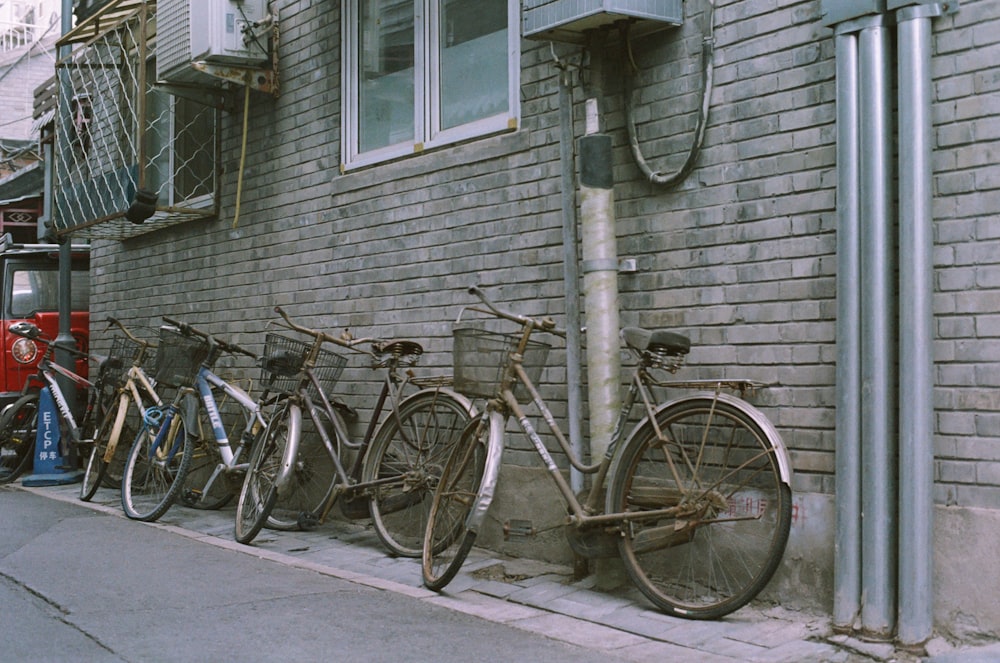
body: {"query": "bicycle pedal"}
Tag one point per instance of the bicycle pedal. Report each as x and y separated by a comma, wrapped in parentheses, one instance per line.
(518, 528)
(307, 521)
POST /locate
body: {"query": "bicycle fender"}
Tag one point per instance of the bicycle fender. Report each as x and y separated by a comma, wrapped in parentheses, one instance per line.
(784, 465)
(291, 449)
(491, 474)
(189, 413)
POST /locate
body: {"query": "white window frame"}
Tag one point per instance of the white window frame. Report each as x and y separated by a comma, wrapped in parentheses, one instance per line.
(426, 72)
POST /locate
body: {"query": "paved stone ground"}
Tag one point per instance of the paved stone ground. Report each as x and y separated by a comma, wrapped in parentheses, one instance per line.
(544, 598)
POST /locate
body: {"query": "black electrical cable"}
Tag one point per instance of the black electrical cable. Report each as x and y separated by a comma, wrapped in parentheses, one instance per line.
(708, 71)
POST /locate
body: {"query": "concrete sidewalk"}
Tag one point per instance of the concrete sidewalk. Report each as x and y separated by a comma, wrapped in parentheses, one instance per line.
(543, 598)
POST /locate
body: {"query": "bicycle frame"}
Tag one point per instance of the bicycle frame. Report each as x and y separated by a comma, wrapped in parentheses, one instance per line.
(255, 420)
(589, 513)
(136, 379)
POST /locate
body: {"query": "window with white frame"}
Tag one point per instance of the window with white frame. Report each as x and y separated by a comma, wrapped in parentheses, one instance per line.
(424, 73)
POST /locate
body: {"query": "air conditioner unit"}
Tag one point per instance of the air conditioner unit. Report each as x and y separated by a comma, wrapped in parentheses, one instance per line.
(571, 20)
(219, 32)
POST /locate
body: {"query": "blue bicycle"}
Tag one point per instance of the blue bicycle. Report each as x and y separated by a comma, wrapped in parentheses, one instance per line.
(172, 435)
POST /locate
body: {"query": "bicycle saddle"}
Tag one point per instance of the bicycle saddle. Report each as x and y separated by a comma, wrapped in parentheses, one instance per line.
(399, 348)
(643, 340)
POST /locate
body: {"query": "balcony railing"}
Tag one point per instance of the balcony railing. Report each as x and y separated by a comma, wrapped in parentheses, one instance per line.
(15, 36)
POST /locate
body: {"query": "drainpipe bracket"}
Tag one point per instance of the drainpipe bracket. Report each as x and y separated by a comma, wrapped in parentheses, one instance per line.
(906, 11)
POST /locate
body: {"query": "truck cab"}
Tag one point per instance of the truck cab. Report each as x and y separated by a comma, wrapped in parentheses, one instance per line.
(29, 290)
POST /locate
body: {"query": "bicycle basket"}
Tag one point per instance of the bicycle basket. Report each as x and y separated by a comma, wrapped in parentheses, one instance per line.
(179, 357)
(481, 356)
(124, 352)
(283, 359)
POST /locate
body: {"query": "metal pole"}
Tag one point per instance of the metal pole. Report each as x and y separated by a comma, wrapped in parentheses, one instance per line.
(878, 408)
(847, 545)
(571, 272)
(65, 337)
(916, 366)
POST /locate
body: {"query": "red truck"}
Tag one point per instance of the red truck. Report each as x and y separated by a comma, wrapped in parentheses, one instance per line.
(29, 274)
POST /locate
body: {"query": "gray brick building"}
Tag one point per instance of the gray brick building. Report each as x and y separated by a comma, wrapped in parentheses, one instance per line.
(351, 227)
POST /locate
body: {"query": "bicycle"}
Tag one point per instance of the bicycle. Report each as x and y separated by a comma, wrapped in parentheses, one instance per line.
(19, 421)
(106, 461)
(161, 455)
(698, 496)
(217, 468)
(397, 461)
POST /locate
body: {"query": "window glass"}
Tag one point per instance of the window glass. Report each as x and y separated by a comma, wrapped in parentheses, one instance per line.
(473, 57)
(385, 89)
(34, 290)
(424, 74)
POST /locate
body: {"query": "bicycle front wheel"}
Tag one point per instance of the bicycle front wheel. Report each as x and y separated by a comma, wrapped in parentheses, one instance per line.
(154, 472)
(722, 510)
(96, 468)
(307, 495)
(447, 537)
(258, 494)
(18, 428)
(405, 461)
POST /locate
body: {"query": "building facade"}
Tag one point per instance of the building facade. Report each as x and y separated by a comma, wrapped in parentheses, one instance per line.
(398, 156)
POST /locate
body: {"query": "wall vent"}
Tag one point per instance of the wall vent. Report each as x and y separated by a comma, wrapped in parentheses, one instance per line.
(570, 20)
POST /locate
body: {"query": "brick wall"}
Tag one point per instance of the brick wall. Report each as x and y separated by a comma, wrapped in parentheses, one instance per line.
(741, 256)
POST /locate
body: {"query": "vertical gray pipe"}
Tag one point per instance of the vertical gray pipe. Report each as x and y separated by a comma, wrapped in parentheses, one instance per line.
(847, 543)
(65, 337)
(916, 366)
(878, 407)
(571, 271)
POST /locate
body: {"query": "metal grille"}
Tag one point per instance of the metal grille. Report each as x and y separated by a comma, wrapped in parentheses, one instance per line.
(117, 134)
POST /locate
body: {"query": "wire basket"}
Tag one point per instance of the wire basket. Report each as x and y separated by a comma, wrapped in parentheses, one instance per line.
(179, 357)
(282, 365)
(123, 354)
(481, 357)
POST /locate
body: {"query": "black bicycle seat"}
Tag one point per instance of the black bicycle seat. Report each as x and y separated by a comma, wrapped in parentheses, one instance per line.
(642, 340)
(399, 348)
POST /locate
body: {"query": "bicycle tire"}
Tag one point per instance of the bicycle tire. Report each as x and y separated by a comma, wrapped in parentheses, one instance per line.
(258, 493)
(18, 428)
(410, 451)
(149, 489)
(720, 550)
(447, 537)
(95, 468)
(314, 474)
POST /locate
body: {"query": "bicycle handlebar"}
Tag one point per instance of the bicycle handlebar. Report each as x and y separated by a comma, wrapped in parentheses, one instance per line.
(326, 338)
(545, 324)
(115, 322)
(231, 348)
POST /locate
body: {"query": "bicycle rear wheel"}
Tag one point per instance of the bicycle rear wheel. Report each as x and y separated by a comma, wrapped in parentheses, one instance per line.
(154, 473)
(17, 438)
(447, 537)
(406, 458)
(725, 511)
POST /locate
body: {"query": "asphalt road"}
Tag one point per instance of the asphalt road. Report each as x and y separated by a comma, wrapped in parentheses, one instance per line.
(79, 585)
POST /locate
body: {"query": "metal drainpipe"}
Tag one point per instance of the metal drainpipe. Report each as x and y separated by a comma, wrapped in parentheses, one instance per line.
(878, 406)
(847, 545)
(916, 366)
(571, 271)
(600, 282)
